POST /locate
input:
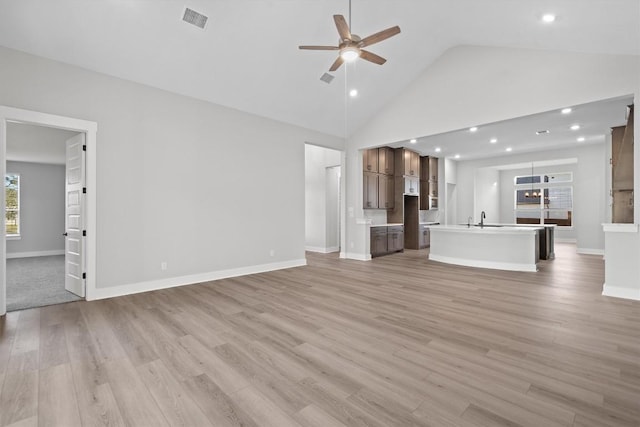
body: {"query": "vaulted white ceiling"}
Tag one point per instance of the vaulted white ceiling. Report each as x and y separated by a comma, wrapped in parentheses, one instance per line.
(247, 57)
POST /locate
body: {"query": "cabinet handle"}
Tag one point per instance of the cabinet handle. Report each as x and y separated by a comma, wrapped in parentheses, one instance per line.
(368, 167)
(410, 172)
(368, 204)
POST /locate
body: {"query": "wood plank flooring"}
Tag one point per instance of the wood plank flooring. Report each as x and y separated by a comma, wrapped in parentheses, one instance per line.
(398, 341)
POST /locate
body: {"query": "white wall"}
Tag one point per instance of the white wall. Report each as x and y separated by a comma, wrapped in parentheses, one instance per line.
(590, 197)
(41, 209)
(202, 187)
(487, 195)
(333, 207)
(472, 85)
(321, 195)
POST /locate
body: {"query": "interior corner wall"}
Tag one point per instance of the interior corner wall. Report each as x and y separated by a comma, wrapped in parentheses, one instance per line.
(207, 189)
(41, 209)
(472, 85)
(317, 193)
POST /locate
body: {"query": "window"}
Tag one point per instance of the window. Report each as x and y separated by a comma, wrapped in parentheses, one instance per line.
(544, 199)
(12, 210)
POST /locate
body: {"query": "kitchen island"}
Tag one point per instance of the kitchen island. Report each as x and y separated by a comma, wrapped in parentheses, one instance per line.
(492, 246)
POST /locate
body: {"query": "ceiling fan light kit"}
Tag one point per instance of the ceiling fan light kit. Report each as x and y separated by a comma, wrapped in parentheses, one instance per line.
(349, 53)
(351, 46)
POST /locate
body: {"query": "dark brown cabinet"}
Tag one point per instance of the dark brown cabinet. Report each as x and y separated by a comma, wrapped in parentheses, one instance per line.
(386, 161)
(377, 180)
(386, 193)
(378, 241)
(428, 183)
(386, 240)
(370, 160)
(407, 163)
(395, 238)
(370, 190)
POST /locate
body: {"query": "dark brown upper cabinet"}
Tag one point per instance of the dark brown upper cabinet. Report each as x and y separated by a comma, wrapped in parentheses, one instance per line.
(407, 163)
(370, 160)
(385, 160)
(370, 190)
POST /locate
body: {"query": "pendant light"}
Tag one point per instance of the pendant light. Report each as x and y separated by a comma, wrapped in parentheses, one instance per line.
(533, 193)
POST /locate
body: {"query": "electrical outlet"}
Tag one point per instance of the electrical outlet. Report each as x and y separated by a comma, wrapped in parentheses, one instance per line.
(272, 252)
(163, 265)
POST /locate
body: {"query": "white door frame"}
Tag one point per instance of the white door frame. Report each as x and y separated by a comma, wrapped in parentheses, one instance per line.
(9, 114)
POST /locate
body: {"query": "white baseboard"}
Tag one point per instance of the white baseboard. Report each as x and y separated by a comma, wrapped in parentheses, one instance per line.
(358, 257)
(322, 250)
(153, 285)
(618, 292)
(565, 240)
(484, 264)
(35, 253)
(590, 251)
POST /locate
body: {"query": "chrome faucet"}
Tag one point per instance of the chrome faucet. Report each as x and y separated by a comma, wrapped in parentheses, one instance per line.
(469, 222)
(482, 217)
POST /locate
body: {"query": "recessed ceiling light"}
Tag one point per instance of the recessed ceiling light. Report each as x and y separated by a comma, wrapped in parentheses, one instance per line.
(581, 139)
(548, 18)
(353, 93)
(438, 149)
(508, 149)
(575, 127)
(542, 132)
(457, 156)
(493, 140)
(413, 141)
(473, 129)
(566, 110)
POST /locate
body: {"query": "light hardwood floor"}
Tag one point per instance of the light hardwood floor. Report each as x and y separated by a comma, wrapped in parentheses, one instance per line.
(398, 341)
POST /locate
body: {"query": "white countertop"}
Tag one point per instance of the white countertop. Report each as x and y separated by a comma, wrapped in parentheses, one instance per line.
(485, 230)
(394, 224)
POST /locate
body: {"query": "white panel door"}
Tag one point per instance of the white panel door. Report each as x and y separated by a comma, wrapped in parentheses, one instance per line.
(74, 259)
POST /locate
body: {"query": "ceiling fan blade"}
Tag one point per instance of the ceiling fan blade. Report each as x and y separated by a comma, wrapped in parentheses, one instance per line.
(343, 27)
(336, 64)
(379, 36)
(372, 57)
(319, 47)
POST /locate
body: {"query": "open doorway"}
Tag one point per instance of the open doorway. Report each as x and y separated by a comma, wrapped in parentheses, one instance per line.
(323, 174)
(78, 200)
(35, 215)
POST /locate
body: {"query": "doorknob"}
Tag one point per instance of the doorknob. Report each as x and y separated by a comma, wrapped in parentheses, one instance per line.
(65, 234)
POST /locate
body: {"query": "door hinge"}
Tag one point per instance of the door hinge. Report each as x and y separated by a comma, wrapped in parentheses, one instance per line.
(84, 147)
(84, 233)
(84, 190)
(610, 160)
(84, 275)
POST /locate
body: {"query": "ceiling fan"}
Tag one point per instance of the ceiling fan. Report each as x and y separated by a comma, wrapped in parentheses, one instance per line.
(351, 46)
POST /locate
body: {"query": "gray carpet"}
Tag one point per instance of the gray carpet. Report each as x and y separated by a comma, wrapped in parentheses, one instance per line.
(36, 282)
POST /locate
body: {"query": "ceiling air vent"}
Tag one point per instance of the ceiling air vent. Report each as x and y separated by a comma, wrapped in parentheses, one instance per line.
(327, 78)
(195, 18)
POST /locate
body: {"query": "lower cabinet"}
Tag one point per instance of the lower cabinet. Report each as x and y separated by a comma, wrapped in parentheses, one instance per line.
(378, 241)
(395, 238)
(386, 240)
